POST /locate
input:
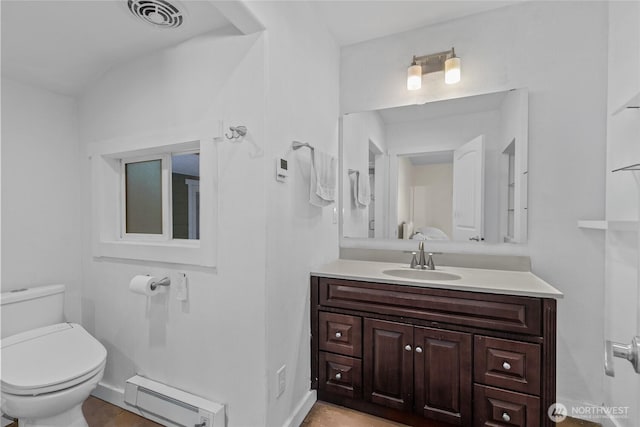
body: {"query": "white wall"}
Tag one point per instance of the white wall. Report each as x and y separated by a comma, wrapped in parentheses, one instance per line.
(558, 50)
(40, 192)
(213, 345)
(301, 104)
(622, 286)
(433, 196)
(357, 130)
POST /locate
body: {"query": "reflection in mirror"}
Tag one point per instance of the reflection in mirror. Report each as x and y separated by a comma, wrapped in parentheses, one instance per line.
(453, 170)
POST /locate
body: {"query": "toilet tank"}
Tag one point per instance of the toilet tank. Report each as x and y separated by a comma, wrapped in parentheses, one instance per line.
(31, 308)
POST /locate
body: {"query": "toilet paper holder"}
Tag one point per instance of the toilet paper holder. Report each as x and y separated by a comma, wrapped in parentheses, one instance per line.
(631, 352)
(165, 281)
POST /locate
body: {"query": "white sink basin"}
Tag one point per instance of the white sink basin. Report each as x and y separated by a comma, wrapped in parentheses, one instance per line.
(407, 273)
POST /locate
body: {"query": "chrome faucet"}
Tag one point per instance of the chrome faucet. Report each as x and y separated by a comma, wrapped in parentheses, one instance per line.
(423, 263)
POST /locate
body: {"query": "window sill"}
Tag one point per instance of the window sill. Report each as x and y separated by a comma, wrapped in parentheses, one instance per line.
(175, 252)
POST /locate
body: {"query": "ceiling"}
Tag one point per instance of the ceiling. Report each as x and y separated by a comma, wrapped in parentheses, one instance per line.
(64, 46)
(354, 21)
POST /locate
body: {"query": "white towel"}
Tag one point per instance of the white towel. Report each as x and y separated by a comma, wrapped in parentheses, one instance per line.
(360, 189)
(364, 190)
(353, 180)
(322, 189)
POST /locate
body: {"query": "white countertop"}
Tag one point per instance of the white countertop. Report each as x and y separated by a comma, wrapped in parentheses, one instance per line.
(523, 283)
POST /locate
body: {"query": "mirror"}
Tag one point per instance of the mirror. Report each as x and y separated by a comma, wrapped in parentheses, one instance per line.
(451, 171)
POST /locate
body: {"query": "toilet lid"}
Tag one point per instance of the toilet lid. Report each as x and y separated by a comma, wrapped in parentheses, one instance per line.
(49, 359)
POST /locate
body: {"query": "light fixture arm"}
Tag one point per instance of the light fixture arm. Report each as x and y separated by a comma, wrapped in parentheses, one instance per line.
(433, 62)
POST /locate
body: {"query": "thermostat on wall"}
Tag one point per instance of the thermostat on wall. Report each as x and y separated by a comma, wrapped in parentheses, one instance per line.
(282, 170)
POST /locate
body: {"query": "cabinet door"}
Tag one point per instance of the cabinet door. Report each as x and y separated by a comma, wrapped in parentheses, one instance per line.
(443, 375)
(388, 364)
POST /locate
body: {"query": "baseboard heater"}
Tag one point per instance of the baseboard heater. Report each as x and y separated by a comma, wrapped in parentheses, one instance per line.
(170, 406)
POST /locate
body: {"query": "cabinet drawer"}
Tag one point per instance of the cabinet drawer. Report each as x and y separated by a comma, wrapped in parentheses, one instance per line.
(507, 364)
(340, 333)
(497, 408)
(340, 375)
(499, 312)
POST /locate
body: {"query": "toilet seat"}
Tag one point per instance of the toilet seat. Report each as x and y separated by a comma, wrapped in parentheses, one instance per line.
(49, 359)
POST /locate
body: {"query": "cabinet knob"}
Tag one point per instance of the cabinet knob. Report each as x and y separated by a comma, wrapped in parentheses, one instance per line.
(407, 347)
(506, 366)
(338, 334)
(418, 349)
(339, 375)
(506, 417)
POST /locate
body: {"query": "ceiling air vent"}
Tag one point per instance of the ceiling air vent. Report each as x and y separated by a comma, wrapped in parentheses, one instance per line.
(160, 13)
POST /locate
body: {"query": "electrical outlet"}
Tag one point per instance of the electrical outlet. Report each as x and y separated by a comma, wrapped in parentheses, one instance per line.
(282, 380)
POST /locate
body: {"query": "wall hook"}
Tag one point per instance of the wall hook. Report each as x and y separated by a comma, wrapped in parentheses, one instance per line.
(237, 132)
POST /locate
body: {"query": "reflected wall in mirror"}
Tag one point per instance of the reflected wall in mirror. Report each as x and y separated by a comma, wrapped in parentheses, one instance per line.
(448, 170)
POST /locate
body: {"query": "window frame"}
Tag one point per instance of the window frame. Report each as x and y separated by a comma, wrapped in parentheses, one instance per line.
(108, 240)
(165, 182)
(193, 188)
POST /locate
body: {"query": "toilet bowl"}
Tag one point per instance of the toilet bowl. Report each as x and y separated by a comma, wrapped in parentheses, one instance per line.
(48, 372)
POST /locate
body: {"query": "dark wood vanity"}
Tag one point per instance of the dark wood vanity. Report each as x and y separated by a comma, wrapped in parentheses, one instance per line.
(433, 357)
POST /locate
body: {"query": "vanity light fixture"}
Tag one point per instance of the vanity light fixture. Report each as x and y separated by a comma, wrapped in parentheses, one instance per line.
(446, 61)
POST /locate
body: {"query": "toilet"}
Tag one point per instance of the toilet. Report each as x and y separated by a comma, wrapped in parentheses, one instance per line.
(49, 367)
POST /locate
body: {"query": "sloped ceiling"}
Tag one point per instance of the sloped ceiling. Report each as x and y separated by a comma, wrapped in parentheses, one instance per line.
(65, 45)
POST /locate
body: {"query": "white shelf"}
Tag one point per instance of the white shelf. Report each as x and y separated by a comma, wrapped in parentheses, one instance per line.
(610, 225)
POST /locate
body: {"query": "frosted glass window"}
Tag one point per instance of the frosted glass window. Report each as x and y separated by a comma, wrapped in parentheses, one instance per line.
(143, 200)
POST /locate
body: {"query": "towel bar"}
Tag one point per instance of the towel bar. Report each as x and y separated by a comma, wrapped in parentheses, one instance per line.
(297, 144)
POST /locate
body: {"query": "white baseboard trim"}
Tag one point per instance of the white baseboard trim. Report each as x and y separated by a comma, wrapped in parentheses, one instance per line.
(111, 394)
(606, 420)
(301, 411)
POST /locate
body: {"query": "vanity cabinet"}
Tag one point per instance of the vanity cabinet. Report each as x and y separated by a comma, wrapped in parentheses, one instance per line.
(433, 375)
(433, 357)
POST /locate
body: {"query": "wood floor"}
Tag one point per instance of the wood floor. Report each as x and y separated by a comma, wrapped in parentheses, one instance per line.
(102, 414)
(327, 415)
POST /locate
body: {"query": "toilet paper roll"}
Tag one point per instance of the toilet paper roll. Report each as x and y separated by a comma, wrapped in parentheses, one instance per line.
(142, 285)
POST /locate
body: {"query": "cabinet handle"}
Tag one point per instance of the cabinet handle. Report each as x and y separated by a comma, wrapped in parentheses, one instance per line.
(407, 347)
(506, 366)
(338, 334)
(418, 349)
(506, 417)
(339, 376)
